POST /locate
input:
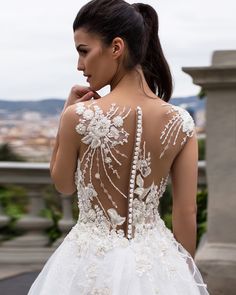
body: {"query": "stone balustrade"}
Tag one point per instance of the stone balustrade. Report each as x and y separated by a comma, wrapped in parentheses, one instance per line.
(216, 258)
(30, 251)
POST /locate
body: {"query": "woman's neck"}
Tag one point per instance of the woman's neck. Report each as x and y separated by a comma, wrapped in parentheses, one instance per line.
(132, 82)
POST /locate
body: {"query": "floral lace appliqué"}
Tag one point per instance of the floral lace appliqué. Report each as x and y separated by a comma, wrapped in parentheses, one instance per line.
(102, 133)
(181, 120)
(151, 246)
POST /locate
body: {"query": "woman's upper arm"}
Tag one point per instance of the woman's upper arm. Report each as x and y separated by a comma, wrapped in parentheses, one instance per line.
(184, 175)
(63, 173)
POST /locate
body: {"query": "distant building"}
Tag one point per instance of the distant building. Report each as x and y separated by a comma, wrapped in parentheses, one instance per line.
(31, 116)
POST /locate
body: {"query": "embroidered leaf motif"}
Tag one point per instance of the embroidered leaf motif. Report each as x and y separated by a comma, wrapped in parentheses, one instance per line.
(116, 219)
(103, 133)
(118, 121)
(139, 191)
(139, 180)
(181, 120)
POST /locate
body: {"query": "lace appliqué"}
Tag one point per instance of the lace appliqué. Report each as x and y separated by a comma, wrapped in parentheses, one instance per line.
(181, 120)
(143, 200)
(151, 244)
(99, 129)
(101, 291)
(92, 273)
(146, 202)
(102, 133)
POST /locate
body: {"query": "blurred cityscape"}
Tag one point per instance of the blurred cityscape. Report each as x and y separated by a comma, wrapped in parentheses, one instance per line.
(30, 127)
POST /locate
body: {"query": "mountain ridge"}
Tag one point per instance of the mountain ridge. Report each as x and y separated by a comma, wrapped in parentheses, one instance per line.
(52, 106)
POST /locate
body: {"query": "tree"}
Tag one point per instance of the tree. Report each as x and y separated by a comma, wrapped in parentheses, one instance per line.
(7, 154)
(201, 94)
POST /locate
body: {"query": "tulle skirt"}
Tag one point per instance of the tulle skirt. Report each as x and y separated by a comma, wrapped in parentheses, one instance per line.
(90, 263)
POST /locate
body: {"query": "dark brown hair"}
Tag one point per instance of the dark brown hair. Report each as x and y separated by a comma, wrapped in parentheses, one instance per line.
(138, 25)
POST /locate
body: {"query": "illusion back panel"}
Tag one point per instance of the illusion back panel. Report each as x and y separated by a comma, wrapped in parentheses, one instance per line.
(125, 157)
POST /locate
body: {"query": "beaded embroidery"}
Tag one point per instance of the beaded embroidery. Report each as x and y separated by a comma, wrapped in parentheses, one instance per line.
(103, 133)
(181, 119)
(96, 230)
(148, 238)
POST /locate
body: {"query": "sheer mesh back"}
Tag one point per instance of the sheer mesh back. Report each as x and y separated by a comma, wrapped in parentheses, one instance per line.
(125, 157)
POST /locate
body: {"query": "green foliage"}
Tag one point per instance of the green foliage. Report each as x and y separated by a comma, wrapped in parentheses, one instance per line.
(7, 154)
(53, 231)
(166, 207)
(53, 212)
(166, 210)
(201, 94)
(14, 203)
(75, 210)
(201, 149)
(201, 213)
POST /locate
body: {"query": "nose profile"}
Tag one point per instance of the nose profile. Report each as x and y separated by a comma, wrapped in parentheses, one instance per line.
(80, 66)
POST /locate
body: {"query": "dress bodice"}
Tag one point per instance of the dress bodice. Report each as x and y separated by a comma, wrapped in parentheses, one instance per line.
(120, 244)
(124, 163)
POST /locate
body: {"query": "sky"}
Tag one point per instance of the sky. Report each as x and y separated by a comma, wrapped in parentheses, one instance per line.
(38, 57)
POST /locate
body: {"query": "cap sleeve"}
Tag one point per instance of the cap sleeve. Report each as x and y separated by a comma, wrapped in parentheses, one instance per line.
(187, 124)
(179, 126)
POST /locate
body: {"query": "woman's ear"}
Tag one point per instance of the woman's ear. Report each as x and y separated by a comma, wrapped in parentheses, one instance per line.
(118, 47)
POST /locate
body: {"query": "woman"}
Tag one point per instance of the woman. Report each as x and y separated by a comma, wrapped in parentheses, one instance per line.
(118, 152)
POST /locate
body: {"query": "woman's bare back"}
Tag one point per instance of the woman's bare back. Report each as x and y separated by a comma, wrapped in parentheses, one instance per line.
(126, 153)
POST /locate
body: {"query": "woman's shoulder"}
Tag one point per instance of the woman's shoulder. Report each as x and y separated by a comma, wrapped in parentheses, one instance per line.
(178, 111)
(178, 124)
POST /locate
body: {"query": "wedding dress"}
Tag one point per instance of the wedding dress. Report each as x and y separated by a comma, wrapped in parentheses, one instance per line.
(120, 245)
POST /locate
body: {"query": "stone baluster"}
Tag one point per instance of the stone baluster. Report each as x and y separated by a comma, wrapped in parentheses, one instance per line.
(4, 219)
(32, 223)
(27, 252)
(216, 256)
(66, 223)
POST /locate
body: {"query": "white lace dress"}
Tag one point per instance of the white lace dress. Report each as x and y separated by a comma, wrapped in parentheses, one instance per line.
(109, 252)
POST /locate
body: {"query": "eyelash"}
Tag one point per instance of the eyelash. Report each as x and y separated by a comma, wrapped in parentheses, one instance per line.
(82, 51)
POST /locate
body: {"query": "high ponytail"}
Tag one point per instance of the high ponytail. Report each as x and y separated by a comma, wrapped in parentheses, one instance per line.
(137, 24)
(155, 67)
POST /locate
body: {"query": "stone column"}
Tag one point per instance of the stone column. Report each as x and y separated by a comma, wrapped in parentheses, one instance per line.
(32, 223)
(66, 223)
(27, 252)
(4, 219)
(216, 256)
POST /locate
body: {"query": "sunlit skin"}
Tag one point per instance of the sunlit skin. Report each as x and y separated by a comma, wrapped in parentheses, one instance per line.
(104, 66)
(95, 60)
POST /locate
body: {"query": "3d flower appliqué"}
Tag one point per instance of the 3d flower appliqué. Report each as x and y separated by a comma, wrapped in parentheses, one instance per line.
(180, 120)
(99, 128)
(102, 132)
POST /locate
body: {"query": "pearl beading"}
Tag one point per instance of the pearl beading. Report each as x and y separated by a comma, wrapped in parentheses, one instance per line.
(97, 176)
(180, 120)
(134, 170)
(104, 133)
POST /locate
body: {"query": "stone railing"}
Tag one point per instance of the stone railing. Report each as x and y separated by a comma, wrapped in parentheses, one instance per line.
(34, 177)
(216, 258)
(29, 251)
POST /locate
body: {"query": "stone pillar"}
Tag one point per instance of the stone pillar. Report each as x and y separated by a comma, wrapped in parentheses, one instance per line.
(28, 252)
(66, 223)
(216, 256)
(32, 223)
(4, 219)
